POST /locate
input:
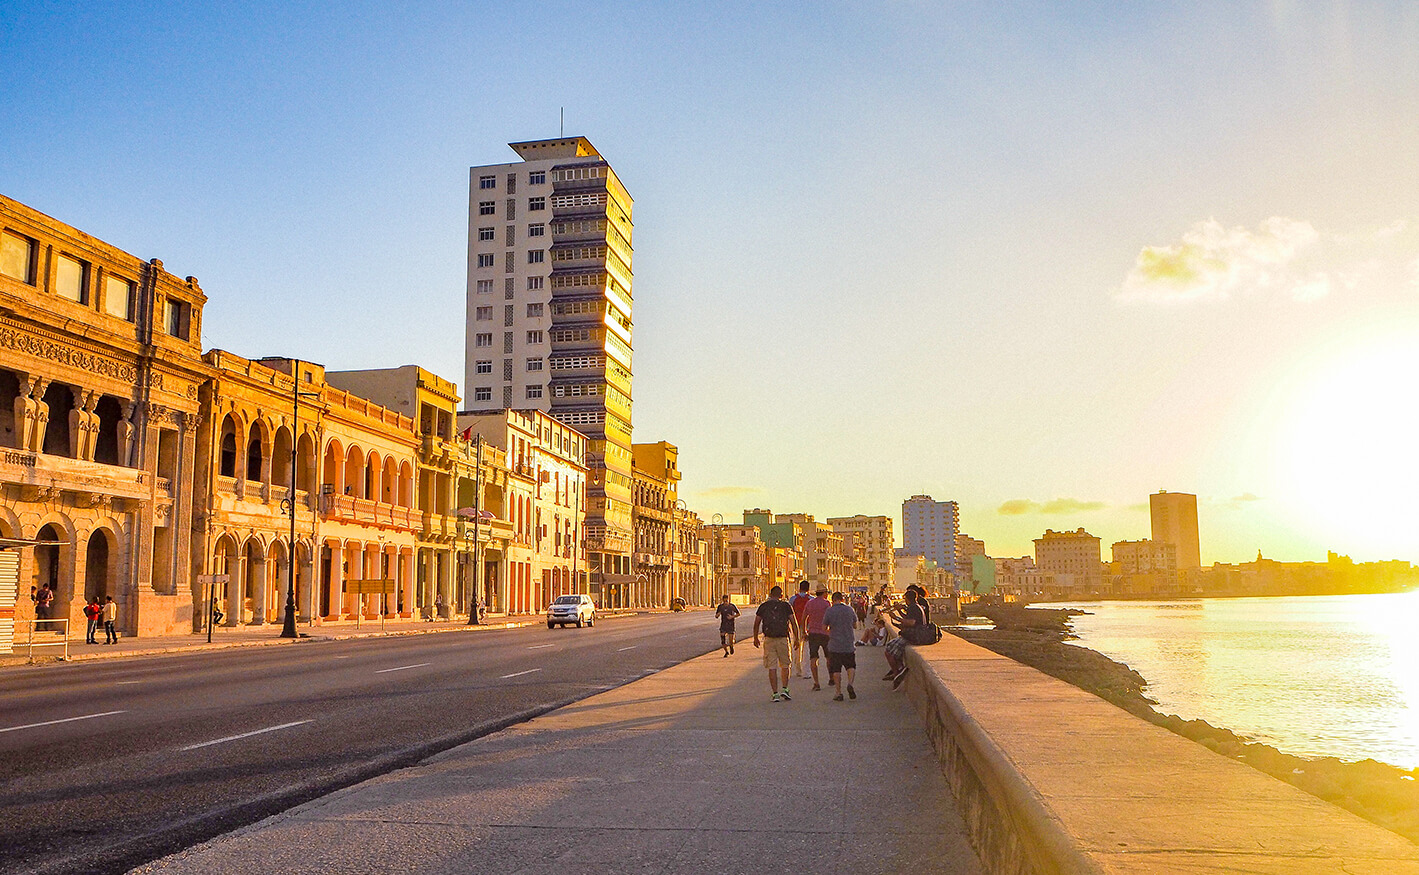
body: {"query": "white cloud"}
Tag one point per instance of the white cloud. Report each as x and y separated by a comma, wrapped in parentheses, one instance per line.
(1282, 258)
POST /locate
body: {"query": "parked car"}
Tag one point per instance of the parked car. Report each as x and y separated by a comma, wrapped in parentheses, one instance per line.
(576, 609)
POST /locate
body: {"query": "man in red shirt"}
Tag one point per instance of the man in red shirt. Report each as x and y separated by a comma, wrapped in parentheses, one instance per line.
(815, 630)
(799, 603)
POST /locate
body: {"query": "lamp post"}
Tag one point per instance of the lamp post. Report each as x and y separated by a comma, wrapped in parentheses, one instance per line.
(288, 629)
(477, 518)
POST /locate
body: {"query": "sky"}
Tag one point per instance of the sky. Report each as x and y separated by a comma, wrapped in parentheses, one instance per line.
(1040, 259)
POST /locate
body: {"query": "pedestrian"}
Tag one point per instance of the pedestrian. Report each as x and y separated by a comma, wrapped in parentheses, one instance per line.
(44, 601)
(217, 615)
(896, 649)
(727, 612)
(438, 606)
(781, 633)
(813, 626)
(839, 620)
(798, 602)
(92, 610)
(110, 616)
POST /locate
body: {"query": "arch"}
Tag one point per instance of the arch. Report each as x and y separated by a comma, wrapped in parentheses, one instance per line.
(52, 566)
(389, 483)
(406, 484)
(354, 472)
(281, 458)
(373, 466)
(227, 446)
(276, 574)
(253, 577)
(106, 449)
(57, 440)
(332, 464)
(256, 451)
(100, 563)
(305, 462)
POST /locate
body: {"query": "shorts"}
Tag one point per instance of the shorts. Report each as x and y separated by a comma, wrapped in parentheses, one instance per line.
(839, 661)
(775, 652)
(816, 642)
(726, 628)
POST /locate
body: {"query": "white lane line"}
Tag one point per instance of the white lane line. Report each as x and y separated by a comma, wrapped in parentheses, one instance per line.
(243, 735)
(65, 720)
(632, 647)
(540, 646)
(402, 667)
(518, 674)
(125, 683)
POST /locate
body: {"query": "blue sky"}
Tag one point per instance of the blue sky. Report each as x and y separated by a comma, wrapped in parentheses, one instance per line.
(1025, 256)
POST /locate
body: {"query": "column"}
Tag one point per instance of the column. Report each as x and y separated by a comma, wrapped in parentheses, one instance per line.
(336, 584)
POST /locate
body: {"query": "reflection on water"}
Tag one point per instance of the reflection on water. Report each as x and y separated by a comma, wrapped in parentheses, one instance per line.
(1311, 675)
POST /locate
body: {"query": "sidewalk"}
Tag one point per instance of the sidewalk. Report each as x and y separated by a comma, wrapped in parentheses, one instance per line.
(691, 770)
(250, 636)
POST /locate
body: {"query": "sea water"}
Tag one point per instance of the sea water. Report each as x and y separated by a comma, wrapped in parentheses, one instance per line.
(1310, 675)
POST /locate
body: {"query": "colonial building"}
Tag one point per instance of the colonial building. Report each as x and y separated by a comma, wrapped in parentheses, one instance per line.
(874, 552)
(746, 573)
(690, 569)
(1070, 563)
(100, 367)
(546, 505)
(655, 479)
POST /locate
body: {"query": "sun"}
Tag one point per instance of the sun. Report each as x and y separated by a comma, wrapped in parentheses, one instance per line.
(1347, 449)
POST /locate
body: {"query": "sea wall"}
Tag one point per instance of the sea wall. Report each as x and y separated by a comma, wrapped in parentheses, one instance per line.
(1051, 779)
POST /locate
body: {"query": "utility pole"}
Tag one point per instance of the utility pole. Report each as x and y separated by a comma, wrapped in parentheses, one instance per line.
(288, 629)
(477, 518)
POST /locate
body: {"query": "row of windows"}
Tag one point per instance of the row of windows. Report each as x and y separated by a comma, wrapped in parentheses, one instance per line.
(490, 182)
(573, 335)
(488, 234)
(74, 279)
(577, 253)
(490, 208)
(577, 362)
(570, 201)
(571, 174)
(487, 259)
(485, 314)
(485, 287)
(485, 339)
(485, 393)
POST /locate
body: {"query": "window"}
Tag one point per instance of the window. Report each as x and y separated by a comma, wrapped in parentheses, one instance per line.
(486, 182)
(485, 259)
(484, 366)
(537, 177)
(534, 364)
(536, 230)
(536, 256)
(484, 314)
(174, 318)
(486, 208)
(483, 393)
(534, 391)
(534, 310)
(534, 337)
(71, 279)
(485, 233)
(483, 340)
(536, 203)
(485, 287)
(117, 297)
(17, 257)
(534, 283)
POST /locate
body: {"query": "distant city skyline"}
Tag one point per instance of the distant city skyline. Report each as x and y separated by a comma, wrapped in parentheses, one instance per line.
(1041, 261)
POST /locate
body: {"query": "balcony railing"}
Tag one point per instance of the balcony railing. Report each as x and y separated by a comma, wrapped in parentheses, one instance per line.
(349, 509)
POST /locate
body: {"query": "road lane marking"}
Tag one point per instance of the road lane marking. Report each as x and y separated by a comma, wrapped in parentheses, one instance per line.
(243, 735)
(126, 683)
(540, 646)
(632, 647)
(65, 720)
(402, 667)
(518, 674)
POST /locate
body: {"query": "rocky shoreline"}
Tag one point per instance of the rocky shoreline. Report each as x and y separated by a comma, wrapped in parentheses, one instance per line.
(1381, 793)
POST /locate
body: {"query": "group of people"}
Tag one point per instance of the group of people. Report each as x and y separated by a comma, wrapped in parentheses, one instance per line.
(825, 624)
(97, 614)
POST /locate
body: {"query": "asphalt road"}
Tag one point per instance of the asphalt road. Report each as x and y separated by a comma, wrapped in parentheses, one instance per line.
(108, 764)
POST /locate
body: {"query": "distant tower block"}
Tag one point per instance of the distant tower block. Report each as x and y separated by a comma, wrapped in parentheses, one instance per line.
(1175, 522)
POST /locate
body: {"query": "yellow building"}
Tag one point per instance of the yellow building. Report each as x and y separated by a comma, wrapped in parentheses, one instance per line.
(100, 364)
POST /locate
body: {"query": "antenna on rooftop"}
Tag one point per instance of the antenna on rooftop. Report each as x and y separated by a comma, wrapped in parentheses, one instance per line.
(562, 126)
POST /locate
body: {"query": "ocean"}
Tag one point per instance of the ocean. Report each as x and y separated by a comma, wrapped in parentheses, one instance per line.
(1310, 675)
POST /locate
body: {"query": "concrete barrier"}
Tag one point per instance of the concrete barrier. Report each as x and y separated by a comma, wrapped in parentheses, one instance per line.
(1051, 779)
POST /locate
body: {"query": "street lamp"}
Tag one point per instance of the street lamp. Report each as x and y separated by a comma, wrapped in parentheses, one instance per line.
(288, 629)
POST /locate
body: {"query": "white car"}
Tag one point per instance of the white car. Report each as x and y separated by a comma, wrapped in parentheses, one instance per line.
(576, 609)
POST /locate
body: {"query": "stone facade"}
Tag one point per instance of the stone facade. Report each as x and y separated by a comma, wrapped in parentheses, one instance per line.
(100, 369)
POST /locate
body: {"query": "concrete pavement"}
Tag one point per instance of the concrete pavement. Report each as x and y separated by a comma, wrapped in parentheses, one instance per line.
(691, 770)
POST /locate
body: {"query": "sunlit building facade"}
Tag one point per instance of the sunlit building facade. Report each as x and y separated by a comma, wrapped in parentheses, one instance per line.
(549, 320)
(1174, 518)
(929, 529)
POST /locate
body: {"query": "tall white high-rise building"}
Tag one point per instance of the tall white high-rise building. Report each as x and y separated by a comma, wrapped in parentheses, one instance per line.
(549, 318)
(929, 529)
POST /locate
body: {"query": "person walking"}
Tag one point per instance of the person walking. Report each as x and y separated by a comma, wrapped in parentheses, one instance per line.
(799, 602)
(92, 610)
(816, 632)
(839, 620)
(727, 612)
(781, 632)
(110, 616)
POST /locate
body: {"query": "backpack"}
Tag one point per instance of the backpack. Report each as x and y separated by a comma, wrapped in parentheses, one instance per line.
(922, 635)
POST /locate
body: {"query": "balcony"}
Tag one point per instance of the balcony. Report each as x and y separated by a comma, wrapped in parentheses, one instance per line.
(362, 511)
(43, 471)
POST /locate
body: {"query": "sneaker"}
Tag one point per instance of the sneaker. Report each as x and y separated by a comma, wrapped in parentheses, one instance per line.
(784, 692)
(731, 648)
(851, 693)
(776, 697)
(816, 688)
(838, 697)
(726, 654)
(897, 681)
(889, 675)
